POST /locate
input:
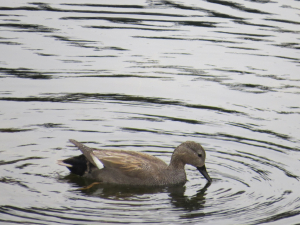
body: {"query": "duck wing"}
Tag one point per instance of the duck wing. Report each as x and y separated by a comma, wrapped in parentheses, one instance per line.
(129, 163)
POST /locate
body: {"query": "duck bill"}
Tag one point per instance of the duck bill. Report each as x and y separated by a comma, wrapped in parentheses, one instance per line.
(203, 171)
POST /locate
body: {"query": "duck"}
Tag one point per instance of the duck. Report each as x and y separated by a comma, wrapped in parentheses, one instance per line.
(124, 167)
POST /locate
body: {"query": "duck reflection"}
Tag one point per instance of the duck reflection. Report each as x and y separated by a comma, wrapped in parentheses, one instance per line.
(107, 191)
(188, 203)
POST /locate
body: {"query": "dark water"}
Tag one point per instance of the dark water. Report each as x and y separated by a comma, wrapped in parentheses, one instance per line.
(146, 76)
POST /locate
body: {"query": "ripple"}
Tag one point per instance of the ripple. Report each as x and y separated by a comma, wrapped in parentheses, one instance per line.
(146, 76)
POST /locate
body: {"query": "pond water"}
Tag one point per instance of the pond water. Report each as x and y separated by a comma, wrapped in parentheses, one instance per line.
(146, 76)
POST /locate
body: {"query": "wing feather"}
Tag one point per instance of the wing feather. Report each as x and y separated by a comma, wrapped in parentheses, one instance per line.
(128, 162)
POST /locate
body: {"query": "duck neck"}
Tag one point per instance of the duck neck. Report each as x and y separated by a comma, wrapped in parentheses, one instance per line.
(176, 163)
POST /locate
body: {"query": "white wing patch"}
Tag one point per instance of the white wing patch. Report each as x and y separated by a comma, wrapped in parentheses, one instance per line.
(97, 161)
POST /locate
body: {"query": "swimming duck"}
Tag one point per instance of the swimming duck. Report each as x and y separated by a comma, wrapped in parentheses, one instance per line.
(136, 168)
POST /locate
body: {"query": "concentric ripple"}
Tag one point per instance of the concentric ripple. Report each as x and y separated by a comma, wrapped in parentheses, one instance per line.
(147, 76)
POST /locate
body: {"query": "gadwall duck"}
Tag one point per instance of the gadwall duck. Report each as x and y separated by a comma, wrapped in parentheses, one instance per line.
(136, 168)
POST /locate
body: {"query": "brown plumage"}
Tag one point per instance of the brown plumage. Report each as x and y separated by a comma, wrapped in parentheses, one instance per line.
(136, 168)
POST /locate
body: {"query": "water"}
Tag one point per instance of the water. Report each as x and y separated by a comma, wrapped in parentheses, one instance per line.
(146, 76)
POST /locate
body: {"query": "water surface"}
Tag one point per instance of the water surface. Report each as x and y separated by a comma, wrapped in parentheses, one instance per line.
(146, 76)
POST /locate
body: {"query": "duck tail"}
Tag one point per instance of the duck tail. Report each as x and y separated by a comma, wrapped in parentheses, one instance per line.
(77, 165)
(88, 153)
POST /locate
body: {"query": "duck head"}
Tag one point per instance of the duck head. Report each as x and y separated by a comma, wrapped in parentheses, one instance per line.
(191, 153)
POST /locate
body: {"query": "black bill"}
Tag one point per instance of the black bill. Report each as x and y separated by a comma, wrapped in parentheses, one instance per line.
(203, 171)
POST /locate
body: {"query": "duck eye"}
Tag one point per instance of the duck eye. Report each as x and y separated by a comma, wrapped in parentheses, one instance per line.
(200, 155)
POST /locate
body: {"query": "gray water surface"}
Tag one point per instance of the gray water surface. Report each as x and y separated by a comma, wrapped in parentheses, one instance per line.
(146, 76)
